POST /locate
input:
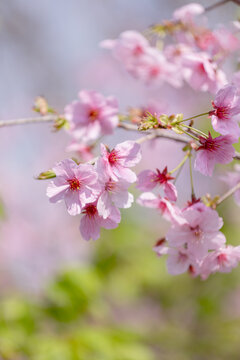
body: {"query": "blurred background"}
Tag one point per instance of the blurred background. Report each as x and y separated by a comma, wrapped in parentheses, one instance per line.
(60, 297)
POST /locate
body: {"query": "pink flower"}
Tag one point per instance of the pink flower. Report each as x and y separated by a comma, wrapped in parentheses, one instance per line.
(114, 193)
(84, 151)
(143, 61)
(226, 41)
(75, 184)
(91, 222)
(232, 178)
(226, 105)
(222, 260)
(212, 151)
(92, 116)
(116, 163)
(202, 73)
(200, 232)
(187, 12)
(180, 260)
(154, 69)
(168, 210)
(128, 47)
(148, 180)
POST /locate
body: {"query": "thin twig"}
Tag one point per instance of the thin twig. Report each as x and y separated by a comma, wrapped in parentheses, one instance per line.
(156, 133)
(39, 119)
(214, 6)
(227, 194)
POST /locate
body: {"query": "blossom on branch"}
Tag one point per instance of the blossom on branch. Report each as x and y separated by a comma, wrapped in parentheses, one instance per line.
(213, 151)
(92, 116)
(75, 184)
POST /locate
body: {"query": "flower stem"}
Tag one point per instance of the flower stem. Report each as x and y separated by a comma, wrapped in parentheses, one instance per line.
(228, 194)
(181, 163)
(192, 136)
(193, 117)
(195, 130)
(191, 177)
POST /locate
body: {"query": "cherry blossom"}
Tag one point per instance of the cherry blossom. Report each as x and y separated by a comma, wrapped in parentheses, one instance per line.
(180, 260)
(83, 151)
(128, 47)
(212, 151)
(168, 210)
(92, 115)
(148, 180)
(114, 193)
(226, 105)
(117, 162)
(200, 233)
(75, 184)
(91, 221)
(202, 73)
(187, 13)
(222, 260)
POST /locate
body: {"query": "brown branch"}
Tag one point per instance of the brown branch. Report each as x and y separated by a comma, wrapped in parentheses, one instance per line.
(216, 5)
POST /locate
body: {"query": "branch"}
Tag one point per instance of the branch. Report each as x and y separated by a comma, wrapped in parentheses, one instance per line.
(46, 118)
(227, 194)
(155, 134)
(131, 127)
(162, 134)
(219, 3)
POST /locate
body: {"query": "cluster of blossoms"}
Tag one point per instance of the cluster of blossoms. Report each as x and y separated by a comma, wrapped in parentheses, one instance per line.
(193, 243)
(195, 54)
(98, 188)
(97, 191)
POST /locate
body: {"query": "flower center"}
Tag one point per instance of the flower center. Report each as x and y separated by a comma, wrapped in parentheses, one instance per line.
(90, 210)
(154, 71)
(74, 184)
(93, 114)
(138, 50)
(222, 113)
(162, 177)
(208, 144)
(197, 231)
(112, 157)
(110, 185)
(182, 257)
(201, 68)
(221, 259)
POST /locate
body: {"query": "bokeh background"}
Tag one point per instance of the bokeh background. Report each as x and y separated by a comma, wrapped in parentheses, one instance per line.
(60, 297)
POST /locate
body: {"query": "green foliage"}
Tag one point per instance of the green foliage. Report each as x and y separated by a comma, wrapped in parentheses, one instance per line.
(123, 305)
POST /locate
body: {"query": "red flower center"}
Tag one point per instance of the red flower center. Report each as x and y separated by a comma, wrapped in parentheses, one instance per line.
(93, 114)
(201, 68)
(112, 157)
(90, 210)
(162, 177)
(221, 259)
(138, 50)
(209, 144)
(74, 184)
(222, 112)
(154, 71)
